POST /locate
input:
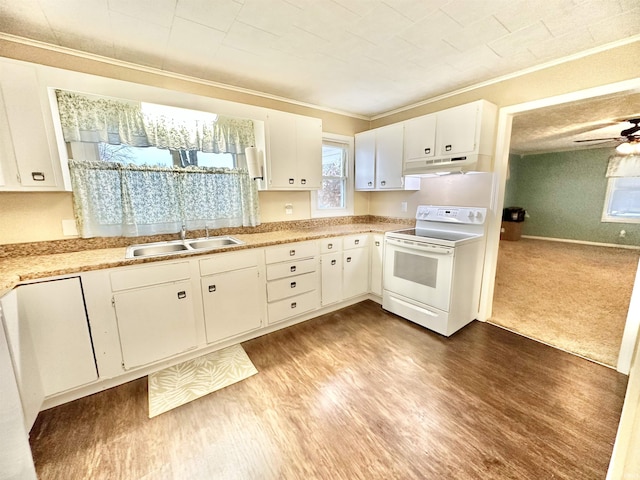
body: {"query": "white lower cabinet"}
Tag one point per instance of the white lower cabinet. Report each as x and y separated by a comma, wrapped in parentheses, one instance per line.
(331, 268)
(233, 298)
(155, 320)
(293, 286)
(57, 320)
(355, 265)
(377, 249)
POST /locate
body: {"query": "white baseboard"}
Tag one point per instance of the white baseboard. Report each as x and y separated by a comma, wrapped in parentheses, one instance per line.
(582, 242)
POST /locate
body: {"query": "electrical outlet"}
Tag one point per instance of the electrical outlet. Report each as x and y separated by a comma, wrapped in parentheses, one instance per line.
(403, 206)
(623, 233)
(288, 208)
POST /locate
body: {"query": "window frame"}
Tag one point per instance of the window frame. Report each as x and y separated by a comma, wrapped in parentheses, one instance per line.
(348, 208)
(606, 214)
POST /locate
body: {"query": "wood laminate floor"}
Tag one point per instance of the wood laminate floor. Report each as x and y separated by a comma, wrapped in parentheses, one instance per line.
(356, 394)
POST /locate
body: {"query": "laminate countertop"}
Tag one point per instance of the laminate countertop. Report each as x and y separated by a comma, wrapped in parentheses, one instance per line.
(24, 268)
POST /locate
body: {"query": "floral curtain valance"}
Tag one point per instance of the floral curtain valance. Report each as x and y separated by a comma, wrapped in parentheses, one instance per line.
(113, 199)
(86, 118)
(624, 166)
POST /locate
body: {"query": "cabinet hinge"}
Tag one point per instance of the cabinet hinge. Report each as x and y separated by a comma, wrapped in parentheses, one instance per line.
(113, 302)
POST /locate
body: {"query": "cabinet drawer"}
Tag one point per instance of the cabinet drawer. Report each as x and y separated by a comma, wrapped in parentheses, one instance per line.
(330, 245)
(293, 306)
(290, 269)
(291, 251)
(355, 241)
(289, 287)
(151, 275)
(229, 261)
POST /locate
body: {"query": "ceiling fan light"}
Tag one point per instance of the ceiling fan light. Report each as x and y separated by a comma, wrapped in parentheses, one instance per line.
(629, 148)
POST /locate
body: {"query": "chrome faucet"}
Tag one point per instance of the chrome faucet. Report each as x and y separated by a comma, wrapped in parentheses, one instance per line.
(183, 233)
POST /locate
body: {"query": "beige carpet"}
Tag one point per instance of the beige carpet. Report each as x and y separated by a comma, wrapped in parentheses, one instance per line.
(571, 296)
(187, 381)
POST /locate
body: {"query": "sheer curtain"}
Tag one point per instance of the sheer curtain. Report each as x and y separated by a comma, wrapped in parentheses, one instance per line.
(117, 199)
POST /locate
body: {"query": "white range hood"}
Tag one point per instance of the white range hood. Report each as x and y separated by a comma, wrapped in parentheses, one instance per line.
(443, 165)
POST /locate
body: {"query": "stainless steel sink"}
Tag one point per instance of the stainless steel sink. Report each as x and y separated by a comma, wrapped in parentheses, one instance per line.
(217, 242)
(180, 246)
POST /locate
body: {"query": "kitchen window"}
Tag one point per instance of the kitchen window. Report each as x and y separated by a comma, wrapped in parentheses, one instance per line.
(335, 197)
(145, 169)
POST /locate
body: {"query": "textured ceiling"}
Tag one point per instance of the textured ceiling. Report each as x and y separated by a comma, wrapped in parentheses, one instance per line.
(557, 128)
(365, 57)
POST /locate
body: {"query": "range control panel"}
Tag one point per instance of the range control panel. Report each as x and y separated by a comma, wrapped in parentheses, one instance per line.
(466, 215)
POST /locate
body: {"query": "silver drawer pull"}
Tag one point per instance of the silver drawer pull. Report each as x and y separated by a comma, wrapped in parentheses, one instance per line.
(293, 268)
(348, 259)
(303, 181)
(357, 241)
(293, 284)
(330, 246)
(383, 183)
(427, 151)
(37, 176)
(333, 262)
(182, 294)
(294, 304)
(291, 181)
(377, 243)
(369, 184)
(212, 288)
(292, 253)
(447, 148)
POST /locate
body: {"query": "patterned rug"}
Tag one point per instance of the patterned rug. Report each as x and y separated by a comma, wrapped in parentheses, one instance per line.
(187, 381)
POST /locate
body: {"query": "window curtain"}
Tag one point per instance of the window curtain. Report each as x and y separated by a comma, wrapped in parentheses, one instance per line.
(112, 199)
(86, 118)
(623, 166)
(117, 199)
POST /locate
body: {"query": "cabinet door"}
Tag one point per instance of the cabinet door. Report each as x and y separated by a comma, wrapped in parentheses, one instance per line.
(389, 145)
(23, 356)
(355, 267)
(365, 146)
(282, 164)
(60, 331)
(155, 322)
(456, 129)
(420, 137)
(26, 122)
(16, 461)
(331, 270)
(233, 303)
(309, 152)
(376, 264)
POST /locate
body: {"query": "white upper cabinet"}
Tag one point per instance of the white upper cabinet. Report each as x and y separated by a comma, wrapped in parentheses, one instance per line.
(463, 130)
(294, 159)
(420, 137)
(456, 130)
(28, 153)
(379, 159)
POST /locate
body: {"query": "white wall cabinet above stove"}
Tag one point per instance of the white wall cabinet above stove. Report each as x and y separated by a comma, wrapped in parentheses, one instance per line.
(467, 129)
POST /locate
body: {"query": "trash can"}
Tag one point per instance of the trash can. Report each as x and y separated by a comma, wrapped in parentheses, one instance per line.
(512, 219)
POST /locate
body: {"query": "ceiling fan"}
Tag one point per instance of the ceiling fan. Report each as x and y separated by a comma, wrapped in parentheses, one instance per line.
(629, 139)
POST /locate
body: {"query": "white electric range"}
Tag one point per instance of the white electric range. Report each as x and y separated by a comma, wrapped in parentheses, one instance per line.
(432, 273)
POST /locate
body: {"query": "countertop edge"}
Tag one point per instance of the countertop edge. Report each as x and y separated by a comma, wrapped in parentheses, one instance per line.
(17, 270)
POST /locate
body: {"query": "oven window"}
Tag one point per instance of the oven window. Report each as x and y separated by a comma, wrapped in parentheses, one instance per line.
(416, 268)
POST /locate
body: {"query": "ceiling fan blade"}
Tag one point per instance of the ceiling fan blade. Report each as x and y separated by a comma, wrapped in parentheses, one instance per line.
(611, 139)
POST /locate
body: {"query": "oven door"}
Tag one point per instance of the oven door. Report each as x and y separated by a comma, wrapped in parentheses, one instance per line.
(419, 271)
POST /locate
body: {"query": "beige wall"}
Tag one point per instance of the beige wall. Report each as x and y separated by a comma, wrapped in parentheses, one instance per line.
(30, 217)
(26, 217)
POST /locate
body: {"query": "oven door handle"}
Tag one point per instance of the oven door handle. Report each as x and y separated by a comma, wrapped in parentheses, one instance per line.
(407, 244)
